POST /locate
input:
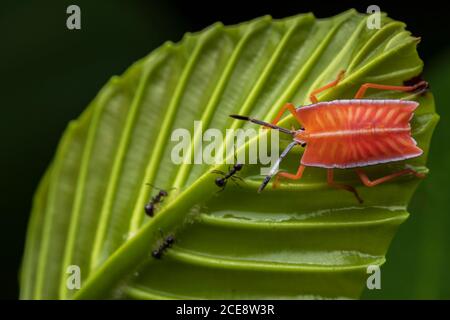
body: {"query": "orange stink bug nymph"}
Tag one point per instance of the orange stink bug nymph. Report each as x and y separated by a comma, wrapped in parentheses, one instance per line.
(347, 134)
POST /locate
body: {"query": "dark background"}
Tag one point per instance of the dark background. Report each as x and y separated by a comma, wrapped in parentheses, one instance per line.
(49, 74)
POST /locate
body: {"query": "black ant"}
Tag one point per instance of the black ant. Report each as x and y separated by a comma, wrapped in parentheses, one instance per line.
(222, 182)
(167, 243)
(154, 201)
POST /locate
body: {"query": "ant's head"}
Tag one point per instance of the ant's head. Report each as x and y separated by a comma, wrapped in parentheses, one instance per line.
(163, 193)
(170, 240)
(156, 254)
(238, 166)
(149, 209)
(220, 182)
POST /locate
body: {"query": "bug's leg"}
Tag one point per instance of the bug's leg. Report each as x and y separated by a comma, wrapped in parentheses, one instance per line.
(290, 176)
(287, 107)
(362, 90)
(371, 183)
(331, 183)
(333, 83)
(218, 172)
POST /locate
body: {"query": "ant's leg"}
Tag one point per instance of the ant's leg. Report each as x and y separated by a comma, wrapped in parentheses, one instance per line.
(236, 183)
(290, 176)
(238, 178)
(369, 183)
(223, 188)
(287, 107)
(365, 86)
(218, 172)
(333, 83)
(331, 183)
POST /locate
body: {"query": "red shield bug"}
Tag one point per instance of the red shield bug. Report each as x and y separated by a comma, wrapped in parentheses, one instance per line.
(349, 134)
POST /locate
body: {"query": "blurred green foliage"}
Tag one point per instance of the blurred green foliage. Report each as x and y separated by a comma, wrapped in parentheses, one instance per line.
(49, 74)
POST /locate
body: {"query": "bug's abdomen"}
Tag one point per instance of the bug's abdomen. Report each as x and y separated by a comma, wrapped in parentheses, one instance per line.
(355, 133)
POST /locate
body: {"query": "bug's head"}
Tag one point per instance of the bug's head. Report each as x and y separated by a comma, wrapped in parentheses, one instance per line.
(301, 136)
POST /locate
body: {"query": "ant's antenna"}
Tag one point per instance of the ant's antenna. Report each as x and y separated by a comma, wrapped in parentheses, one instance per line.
(151, 185)
(155, 187)
(262, 123)
(275, 167)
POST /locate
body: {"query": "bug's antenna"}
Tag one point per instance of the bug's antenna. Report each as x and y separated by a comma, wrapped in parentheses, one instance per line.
(262, 123)
(275, 167)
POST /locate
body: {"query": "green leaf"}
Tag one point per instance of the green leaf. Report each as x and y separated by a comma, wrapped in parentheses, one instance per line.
(303, 240)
